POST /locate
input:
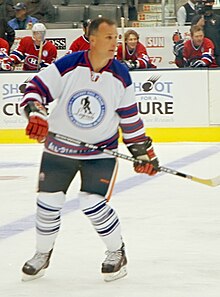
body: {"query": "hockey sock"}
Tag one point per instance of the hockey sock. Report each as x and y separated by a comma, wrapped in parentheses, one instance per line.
(49, 206)
(103, 218)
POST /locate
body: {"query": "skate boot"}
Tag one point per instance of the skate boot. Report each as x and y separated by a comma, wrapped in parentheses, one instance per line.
(114, 266)
(35, 267)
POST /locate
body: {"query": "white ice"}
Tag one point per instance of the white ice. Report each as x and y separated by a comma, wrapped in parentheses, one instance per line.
(170, 225)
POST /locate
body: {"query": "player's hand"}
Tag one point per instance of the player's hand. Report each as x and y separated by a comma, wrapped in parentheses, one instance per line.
(198, 63)
(37, 128)
(145, 152)
(7, 64)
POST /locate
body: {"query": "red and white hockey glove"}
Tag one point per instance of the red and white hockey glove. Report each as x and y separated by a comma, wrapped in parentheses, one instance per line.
(145, 152)
(7, 64)
(37, 127)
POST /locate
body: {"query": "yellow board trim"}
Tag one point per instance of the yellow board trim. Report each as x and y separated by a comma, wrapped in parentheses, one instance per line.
(202, 134)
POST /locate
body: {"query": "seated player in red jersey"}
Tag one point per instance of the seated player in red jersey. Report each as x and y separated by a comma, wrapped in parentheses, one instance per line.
(4, 50)
(82, 42)
(28, 51)
(196, 52)
(135, 54)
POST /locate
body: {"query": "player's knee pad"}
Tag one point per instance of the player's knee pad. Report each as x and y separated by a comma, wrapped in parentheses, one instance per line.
(55, 200)
(102, 216)
(49, 206)
(87, 200)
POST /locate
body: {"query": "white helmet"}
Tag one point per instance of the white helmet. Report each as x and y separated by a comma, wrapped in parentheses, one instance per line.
(38, 27)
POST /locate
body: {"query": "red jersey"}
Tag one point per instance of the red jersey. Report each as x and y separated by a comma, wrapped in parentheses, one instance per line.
(27, 52)
(79, 44)
(205, 53)
(4, 48)
(139, 55)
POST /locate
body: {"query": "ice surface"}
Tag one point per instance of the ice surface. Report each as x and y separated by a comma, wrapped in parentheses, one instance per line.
(171, 228)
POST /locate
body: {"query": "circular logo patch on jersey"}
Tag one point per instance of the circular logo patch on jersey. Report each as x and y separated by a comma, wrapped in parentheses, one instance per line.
(45, 53)
(86, 109)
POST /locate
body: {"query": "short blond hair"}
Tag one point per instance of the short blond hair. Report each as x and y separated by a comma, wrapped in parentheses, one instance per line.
(196, 28)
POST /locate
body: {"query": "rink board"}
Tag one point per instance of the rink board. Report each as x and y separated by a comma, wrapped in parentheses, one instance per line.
(208, 134)
(174, 105)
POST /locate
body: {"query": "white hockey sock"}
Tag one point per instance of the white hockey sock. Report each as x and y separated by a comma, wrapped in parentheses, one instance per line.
(103, 218)
(49, 206)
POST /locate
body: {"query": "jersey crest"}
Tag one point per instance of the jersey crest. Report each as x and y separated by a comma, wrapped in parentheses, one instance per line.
(86, 109)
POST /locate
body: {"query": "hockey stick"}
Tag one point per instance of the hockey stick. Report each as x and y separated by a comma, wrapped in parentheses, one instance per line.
(39, 55)
(123, 37)
(212, 182)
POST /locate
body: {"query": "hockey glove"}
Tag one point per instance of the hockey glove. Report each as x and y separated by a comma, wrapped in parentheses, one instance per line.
(178, 49)
(145, 152)
(130, 64)
(177, 36)
(37, 127)
(7, 64)
(198, 63)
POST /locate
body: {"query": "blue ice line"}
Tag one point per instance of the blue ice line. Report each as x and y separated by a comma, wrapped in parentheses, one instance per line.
(28, 222)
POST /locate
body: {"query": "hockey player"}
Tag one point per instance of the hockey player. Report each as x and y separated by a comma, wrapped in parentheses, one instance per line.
(95, 97)
(197, 51)
(135, 55)
(28, 51)
(4, 49)
(82, 42)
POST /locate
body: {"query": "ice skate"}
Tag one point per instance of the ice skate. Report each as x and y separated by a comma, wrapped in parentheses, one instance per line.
(36, 266)
(114, 266)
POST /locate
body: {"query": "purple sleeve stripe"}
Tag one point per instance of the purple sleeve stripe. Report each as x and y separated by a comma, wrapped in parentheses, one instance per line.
(26, 101)
(42, 88)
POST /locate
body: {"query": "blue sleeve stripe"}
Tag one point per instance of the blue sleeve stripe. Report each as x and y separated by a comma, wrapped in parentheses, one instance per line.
(126, 112)
(132, 127)
(18, 54)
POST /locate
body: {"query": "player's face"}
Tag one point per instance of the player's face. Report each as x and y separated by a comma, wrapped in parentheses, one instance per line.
(104, 41)
(38, 36)
(132, 41)
(198, 38)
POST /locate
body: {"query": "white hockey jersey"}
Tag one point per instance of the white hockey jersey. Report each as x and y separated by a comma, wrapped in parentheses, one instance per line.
(90, 106)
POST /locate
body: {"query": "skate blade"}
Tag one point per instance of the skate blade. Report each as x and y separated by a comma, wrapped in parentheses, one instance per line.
(27, 277)
(109, 277)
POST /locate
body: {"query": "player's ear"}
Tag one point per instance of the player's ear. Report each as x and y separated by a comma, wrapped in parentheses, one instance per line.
(92, 39)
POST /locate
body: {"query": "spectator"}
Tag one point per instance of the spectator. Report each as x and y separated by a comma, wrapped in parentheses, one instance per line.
(82, 42)
(22, 20)
(6, 32)
(210, 23)
(4, 50)
(42, 10)
(197, 51)
(135, 53)
(185, 13)
(6, 9)
(28, 51)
